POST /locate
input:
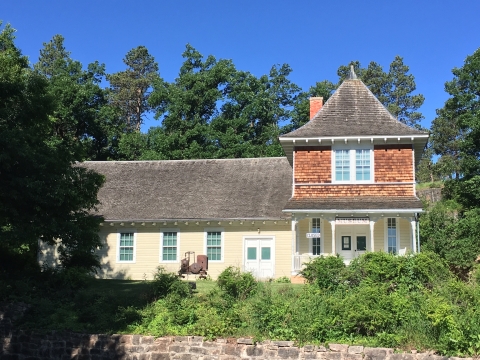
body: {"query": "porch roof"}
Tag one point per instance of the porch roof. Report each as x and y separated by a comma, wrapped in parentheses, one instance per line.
(367, 203)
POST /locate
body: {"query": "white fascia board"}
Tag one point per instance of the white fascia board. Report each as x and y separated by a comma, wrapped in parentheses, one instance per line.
(358, 211)
(362, 137)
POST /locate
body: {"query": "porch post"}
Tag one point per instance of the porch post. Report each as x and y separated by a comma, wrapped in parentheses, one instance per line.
(372, 228)
(294, 244)
(413, 223)
(332, 224)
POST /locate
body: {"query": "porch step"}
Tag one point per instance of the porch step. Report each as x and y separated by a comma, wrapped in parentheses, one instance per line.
(297, 279)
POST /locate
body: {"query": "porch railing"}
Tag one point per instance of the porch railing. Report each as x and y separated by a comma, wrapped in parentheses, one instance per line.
(300, 260)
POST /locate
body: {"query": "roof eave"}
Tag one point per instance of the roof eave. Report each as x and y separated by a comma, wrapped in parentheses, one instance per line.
(356, 211)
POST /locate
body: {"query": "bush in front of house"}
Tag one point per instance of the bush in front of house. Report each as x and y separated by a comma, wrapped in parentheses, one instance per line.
(165, 283)
(237, 284)
(324, 271)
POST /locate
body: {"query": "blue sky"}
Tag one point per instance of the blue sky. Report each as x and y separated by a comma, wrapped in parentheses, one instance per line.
(313, 37)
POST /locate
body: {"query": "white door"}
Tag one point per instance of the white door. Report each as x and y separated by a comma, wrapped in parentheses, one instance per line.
(345, 246)
(259, 257)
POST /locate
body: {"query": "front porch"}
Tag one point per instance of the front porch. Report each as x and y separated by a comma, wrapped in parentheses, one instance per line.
(316, 234)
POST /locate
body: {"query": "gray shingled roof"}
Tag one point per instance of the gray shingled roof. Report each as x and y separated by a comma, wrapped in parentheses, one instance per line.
(353, 111)
(354, 203)
(194, 189)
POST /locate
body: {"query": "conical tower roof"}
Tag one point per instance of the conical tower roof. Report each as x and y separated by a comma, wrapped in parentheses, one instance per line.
(353, 111)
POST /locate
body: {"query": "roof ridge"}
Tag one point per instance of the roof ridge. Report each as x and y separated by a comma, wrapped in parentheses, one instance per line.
(180, 160)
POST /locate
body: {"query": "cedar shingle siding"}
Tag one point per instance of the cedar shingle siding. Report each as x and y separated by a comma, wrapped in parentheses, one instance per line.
(313, 164)
(353, 190)
(393, 163)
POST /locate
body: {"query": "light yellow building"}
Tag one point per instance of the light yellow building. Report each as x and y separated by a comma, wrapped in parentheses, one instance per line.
(346, 186)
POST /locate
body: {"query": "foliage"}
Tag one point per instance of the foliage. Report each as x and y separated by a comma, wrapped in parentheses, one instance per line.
(452, 234)
(237, 284)
(80, 119)
(301, 112)
(130, 89)
(406, 302)
(421, 270)
(165, 283)
(187, 106)
(43, 194)
(463, 107)
(427, 170)
(324, 271)
(253, 114)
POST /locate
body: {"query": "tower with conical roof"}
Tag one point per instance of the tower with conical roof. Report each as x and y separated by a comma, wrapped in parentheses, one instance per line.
(353, 177)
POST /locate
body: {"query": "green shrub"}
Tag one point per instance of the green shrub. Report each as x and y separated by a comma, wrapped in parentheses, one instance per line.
(283, 280)
(165, 283)
(414, 270)
(237, 284)
(324, 271)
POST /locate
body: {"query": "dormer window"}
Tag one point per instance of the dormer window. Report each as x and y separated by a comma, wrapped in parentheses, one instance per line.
(352, 164)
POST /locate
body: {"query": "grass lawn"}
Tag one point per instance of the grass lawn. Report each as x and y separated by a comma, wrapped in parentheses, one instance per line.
(130, 292)
(205, 286)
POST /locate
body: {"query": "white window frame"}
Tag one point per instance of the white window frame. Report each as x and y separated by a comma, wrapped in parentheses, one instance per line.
(397, 225)
(310, 241)
(126, 231)
(351, 148)
(162, 231)
(222, 237)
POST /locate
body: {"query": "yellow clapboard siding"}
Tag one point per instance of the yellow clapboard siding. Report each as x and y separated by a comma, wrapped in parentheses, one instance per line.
(192, 238)
(405, 236)
(379, 235)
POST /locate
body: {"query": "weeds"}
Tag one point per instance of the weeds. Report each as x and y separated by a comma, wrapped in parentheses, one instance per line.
(408, 302)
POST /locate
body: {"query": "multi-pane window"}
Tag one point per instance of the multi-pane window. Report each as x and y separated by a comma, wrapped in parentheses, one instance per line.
(346, 243)
(169, 246)
(126, 247)
(214, 245)
(362, 164)
(392, 235)
(353, 165)
(342, 165)
(316, 243)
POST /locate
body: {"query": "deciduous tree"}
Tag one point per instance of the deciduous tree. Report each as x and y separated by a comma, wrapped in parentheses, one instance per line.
(79, 117)
(43, 194)
(187, 106)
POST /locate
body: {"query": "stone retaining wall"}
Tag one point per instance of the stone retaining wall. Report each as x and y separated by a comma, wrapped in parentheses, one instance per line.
(22, 345)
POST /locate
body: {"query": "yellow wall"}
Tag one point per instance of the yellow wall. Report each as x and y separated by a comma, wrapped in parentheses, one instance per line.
(405, 236)
(404, 228)
(191, 238)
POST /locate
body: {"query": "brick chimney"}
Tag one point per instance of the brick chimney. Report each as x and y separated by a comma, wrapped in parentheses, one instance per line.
(316, 104)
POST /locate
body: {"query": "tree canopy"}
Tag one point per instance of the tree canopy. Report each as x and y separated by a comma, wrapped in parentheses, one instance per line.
(43, 194)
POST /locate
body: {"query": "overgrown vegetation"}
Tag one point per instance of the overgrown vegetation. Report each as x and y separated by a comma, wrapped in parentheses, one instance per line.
(407, 302)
